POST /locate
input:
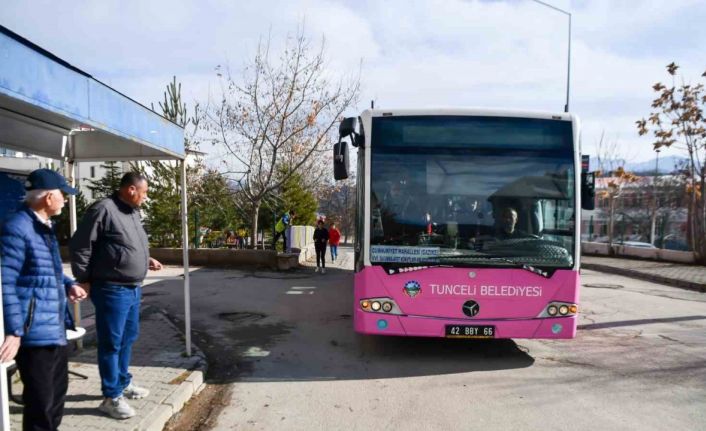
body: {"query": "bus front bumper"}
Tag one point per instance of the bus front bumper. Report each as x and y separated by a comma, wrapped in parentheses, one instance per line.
(418, 326)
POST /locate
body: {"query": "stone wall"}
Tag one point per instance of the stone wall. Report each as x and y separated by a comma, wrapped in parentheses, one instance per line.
(223, 258)
(601, 249)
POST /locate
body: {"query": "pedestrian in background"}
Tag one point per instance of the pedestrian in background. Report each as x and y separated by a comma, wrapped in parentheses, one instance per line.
(281, 230)
(334, 236)
(320, 240)
(231, 239)
(110, 256)
(242, 233)
(35, 296)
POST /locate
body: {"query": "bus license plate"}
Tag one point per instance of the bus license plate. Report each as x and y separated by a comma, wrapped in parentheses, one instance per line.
(470, 331)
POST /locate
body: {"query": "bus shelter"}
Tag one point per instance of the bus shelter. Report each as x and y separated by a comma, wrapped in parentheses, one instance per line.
(52, 109)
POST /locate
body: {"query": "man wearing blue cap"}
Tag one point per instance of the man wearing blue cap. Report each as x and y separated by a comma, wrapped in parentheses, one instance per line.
(35, 295)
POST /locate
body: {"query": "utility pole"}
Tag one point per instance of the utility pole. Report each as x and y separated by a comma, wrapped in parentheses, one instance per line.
(568, 57)
(653, 223)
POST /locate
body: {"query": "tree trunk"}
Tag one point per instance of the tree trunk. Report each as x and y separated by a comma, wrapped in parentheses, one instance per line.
(653, 226)
(253, 234)
(691, 224)
(610, 226)
(699, 222)
(690, 234)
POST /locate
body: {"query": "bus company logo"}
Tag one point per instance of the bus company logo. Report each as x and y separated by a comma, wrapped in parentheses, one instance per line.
(412, 288)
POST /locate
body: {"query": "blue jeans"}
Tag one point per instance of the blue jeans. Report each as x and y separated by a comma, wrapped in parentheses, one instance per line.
(334, 251)
(117, 328)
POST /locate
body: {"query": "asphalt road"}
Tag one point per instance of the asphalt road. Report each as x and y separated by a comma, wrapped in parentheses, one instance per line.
(285, 344)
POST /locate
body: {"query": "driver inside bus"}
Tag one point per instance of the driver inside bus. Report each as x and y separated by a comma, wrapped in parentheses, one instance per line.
(506, 226)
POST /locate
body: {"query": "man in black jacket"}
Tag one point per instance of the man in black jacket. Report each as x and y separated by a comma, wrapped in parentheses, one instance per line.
(110, 256)
(320, 240)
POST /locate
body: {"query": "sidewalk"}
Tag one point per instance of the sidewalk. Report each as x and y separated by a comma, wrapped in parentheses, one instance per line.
(158, 363)
(345, 259)
(692, 277)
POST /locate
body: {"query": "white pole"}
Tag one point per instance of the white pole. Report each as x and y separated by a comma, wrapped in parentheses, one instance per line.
(185, 249)
(72, 170)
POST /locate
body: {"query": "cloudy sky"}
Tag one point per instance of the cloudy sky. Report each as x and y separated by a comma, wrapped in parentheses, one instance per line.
(452, 53)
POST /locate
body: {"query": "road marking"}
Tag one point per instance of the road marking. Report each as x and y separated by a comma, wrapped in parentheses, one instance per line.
(301, 290)
(256, 352)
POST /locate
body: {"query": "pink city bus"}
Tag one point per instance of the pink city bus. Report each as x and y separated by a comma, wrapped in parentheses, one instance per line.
(467, 222)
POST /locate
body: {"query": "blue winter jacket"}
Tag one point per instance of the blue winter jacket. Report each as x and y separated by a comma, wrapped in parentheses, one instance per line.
(34, 287)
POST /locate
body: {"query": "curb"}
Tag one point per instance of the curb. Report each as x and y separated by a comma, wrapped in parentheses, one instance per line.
(682, 284)
(192, 384)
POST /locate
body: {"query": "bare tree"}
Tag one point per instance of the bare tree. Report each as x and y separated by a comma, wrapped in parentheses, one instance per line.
(678, 121)
(614, 176)
(282, 114)
(338, 202)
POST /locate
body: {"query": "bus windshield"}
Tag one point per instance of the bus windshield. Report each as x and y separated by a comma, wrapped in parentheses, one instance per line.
(472, 191)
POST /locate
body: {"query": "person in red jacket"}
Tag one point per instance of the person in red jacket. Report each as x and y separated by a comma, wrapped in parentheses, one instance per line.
(334, 237)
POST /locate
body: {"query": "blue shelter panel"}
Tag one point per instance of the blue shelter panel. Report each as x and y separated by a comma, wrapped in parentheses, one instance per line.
(44, 90)
(129, 119)
(29, 76)
(11, 194)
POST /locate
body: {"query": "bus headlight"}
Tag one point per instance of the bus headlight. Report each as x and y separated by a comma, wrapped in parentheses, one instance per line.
(559, 309)
(380, 305)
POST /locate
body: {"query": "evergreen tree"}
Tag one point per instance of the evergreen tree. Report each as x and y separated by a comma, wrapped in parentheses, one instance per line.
(296, 197)
(108, 183)
(292, 195)
(216, 204)
(208, 193)
(62, 224)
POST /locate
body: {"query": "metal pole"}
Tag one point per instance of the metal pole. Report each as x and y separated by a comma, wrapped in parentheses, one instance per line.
(71, 174)
(568, 69)
(274, 232)
(197, 229)
(653, 225)
(185, 250)
(568, 59)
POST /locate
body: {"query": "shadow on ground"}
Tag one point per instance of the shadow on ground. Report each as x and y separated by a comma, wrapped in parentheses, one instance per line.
(293, 326)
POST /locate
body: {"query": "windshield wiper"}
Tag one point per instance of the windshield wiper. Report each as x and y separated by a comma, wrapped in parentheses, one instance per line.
(490, 257)
(524, 266)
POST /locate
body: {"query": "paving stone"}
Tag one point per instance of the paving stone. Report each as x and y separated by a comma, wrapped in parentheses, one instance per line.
(692, 277)
(157, 361)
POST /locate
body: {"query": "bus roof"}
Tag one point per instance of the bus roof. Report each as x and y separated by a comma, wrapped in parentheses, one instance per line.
(485, 112)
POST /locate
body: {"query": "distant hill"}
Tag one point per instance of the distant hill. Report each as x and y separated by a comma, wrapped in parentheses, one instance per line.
(666, 165)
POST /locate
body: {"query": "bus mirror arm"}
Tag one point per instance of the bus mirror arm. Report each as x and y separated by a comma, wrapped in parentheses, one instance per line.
(350, 126)
(588, 190)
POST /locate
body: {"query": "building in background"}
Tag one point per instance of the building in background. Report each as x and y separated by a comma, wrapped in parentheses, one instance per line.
(650, 201)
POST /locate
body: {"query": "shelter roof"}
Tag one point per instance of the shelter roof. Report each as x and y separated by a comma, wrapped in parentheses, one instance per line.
(43, 99)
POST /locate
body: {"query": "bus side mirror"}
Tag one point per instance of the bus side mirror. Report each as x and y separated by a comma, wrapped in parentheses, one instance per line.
(588, 190)
(340, 160)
